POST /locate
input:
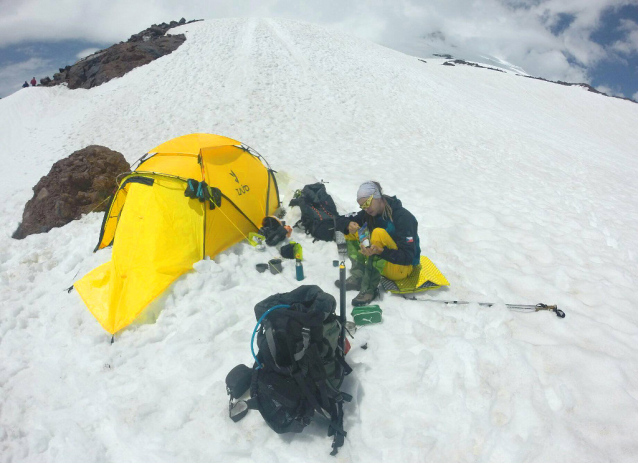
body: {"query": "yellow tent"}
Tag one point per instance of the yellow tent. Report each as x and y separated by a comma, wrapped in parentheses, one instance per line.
(158, 233)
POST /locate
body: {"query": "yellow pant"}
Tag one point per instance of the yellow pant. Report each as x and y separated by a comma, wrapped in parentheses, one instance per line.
(382, 239)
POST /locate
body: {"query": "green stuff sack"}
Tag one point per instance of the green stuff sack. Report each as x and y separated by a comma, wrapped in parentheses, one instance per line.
(366, 315)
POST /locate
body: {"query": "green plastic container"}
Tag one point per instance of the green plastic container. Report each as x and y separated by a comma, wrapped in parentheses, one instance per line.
(366, 315)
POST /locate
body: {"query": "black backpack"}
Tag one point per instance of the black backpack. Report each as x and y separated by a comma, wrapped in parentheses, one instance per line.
(299, 366)
(318, 211)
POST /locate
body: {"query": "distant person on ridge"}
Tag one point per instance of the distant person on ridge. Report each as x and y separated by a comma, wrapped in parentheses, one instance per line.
(25, 84)
(33, 82)
(393, 249)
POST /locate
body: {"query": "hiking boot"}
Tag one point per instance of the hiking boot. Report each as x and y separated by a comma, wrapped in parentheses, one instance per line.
(364, 298)
(352, 283)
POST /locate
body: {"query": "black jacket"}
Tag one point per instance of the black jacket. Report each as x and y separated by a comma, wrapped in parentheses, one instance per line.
(403, 229)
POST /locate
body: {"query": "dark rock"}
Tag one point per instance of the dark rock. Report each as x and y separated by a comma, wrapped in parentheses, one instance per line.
(43, 194)
(117, 60)
(85, 198)
(475, 65)
(447, 63)
(76, 185)
(63, 210)
(81, 181)
(585, 86)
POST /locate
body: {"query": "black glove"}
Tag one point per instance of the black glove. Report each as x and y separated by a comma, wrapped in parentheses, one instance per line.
(215, 197)
(201, 191)
(192, 186)
(274, 234)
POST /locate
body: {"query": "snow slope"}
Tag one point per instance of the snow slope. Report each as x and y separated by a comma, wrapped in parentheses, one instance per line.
(524, 191)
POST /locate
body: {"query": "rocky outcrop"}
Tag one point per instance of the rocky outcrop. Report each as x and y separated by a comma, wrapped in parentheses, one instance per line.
(76, 185)
(115, 61)
(559, 82)
(587, 87)
(467, 63)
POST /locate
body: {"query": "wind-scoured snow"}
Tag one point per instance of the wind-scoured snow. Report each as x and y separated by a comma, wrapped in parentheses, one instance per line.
(525, 192)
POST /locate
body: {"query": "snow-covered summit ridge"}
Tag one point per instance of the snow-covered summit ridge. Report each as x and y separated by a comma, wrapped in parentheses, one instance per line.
(524, 191)
(302, 70)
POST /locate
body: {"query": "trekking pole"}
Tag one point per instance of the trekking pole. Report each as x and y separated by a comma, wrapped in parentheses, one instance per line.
(520, 307)
(342, 293)
(342, 248)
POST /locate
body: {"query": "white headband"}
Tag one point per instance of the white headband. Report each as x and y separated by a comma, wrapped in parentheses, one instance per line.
(368, 189)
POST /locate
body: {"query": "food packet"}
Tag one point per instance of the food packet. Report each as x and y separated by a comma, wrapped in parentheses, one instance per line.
(364, 235)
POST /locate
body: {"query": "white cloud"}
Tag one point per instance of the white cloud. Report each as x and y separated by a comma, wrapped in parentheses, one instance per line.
(13, 76)
(516, 31)
(87, 52)
(112, 21)
(630, 42)
(635, 96)
(25, 67)
(610, 91)
(628, 25)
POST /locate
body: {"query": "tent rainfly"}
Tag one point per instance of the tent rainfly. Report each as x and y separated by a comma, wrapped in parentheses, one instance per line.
(188, 198)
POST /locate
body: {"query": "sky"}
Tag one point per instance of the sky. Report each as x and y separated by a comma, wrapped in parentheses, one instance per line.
(592, 41)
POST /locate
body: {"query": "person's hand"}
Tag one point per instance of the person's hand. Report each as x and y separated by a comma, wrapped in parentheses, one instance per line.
(353, 227)
(371, 251)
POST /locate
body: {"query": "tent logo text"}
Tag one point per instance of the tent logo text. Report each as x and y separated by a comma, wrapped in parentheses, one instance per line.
(243, 189)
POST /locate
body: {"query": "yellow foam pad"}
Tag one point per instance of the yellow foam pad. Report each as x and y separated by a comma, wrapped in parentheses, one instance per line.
(424, 277)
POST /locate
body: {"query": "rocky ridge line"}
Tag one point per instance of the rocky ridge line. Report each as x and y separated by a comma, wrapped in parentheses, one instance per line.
(117, 60)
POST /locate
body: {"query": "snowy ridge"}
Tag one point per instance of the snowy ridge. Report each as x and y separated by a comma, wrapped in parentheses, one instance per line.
(524, 191)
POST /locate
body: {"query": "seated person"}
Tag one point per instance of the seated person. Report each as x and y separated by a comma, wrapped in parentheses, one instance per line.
(394, 242)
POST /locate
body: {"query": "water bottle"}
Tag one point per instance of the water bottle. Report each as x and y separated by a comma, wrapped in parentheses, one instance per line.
(299, 269)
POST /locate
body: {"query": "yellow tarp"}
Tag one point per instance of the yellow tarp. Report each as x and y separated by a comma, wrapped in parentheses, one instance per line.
(158, 233)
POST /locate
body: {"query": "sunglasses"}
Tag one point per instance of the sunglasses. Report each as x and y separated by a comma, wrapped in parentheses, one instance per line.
(367, 203)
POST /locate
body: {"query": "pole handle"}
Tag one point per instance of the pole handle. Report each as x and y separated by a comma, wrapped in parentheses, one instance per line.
(554, 308)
